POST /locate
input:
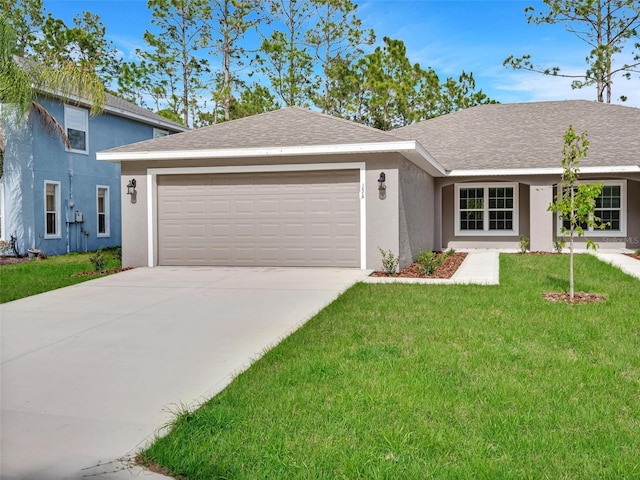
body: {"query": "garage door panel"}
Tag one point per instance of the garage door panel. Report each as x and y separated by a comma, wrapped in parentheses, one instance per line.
(271, 219)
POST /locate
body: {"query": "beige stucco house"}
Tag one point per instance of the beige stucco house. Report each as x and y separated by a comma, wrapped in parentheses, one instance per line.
(298, 188)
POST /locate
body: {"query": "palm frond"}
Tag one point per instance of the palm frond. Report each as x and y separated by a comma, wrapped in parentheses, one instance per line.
(74, 82)
(49, 123)
(15, 88)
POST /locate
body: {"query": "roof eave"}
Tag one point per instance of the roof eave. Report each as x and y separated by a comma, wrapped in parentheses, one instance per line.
(141, 118)
(118, 111)
(510, 172)
(410, 149)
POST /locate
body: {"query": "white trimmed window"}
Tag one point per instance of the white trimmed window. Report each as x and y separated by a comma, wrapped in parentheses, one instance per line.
(51, 209)
(76, 124)
(102, 198)
(611, 208)
(486, 209)
(159, 132)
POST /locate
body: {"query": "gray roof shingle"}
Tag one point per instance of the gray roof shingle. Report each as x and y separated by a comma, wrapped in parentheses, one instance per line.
(529, 135)
(291, 126)
(119, 104)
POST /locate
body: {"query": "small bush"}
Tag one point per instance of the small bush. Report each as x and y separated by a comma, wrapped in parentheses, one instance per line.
(428, 262)
(98, 260)
(450, 252)
(558, 244)
(524, 243)
(117, 254)
(389, 261)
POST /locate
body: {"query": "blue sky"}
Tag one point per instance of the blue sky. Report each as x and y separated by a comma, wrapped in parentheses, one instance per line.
(448, 35)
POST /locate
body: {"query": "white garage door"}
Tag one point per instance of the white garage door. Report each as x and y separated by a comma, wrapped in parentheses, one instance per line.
(260, 219)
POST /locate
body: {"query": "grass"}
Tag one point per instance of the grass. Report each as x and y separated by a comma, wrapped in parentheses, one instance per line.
(37, 276)
(435, 382)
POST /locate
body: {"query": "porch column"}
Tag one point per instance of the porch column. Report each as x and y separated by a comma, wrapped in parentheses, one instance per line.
(540, 219)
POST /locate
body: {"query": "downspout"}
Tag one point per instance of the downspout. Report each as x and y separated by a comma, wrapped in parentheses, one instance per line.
(70, 205)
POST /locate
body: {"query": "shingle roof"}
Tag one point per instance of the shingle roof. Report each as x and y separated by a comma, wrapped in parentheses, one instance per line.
(529, 135)
(292, 126)
(120, 105)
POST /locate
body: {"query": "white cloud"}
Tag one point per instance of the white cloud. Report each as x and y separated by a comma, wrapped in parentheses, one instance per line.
(528, 86)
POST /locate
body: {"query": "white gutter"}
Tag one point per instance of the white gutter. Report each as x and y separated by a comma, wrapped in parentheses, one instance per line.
(540, 171)
(410, 148)
(141, 118)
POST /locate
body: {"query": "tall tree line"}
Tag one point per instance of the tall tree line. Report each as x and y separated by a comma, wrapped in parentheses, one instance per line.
(208, 61)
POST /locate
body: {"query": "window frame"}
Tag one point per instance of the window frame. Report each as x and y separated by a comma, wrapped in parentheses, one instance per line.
(160, 132)
(106, 213)
(82, 128)
(590, 231)
(57, 210)
(486, 232)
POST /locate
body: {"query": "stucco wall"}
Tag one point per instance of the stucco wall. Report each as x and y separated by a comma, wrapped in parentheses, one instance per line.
(416, 212)
(633, 214)
(381, 211)
(450, 240)
(134, 216)
(536, 192)
(612, 240)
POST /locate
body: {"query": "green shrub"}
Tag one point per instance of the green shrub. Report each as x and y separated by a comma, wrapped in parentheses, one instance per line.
(559, 244)
(98, 260)
(524, 243)
(389, 261)
(428, 262)
(117, 254)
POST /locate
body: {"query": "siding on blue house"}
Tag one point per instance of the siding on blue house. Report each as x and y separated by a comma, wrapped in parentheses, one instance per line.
(59, 200)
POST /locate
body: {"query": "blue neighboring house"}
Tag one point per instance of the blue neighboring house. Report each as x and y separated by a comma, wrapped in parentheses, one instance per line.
(58, 199)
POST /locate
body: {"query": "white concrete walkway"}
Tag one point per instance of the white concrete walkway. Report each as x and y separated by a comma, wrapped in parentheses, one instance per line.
(625, 263)
(480, 267)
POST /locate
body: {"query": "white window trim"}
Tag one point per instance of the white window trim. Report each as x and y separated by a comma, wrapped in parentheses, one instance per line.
(107, 211)
(58, 210)
(3, 230)
(623, 212)
(85, 112)
(160, 132)
(486, 232)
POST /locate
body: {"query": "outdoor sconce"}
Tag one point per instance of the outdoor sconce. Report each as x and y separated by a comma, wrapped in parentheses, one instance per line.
(131, 187)
(381, 185)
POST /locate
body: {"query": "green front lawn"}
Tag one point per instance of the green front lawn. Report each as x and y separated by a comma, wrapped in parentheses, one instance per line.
(436, 381)
(37, 276)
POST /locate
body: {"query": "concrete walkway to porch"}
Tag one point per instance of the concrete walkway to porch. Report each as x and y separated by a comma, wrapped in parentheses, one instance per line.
(624, 262)
(480, 267)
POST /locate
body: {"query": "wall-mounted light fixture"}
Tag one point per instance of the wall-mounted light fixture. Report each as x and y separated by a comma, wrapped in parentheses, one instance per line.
(381, 185)
(131, 187)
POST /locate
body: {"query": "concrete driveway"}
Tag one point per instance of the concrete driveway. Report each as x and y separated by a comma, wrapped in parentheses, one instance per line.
(90, 372)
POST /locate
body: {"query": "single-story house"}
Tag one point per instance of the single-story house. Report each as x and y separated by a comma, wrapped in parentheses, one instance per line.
(298, 188)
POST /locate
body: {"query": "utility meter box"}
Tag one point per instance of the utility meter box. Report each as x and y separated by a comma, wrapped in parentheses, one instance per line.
(79, 217)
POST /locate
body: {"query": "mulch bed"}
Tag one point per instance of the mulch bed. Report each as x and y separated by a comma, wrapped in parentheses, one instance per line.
(578, 297)
(633, 255)
(6, 260)
(103, 272)
(446, 270)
